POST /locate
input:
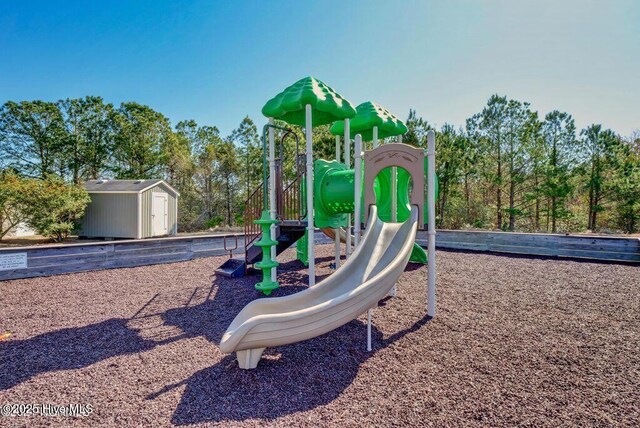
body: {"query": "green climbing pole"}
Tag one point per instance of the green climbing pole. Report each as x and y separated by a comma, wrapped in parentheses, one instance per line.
(266, 264)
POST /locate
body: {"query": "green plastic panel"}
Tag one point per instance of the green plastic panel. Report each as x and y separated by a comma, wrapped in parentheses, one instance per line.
(327, 105)
(302, 249)
(369, 115)
(418, 255)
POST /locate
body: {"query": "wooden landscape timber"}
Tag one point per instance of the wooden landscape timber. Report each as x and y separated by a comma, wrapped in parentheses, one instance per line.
(48, 260)
(599, 248)
(59, 259)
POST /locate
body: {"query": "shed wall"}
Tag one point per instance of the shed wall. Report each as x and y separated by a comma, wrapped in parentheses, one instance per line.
(146, 202)
(111, 215)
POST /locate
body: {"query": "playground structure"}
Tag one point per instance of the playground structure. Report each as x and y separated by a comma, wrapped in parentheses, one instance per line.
(387, 196)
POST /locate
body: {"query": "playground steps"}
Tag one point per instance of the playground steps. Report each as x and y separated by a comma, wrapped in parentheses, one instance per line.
(286, 235)
(232, 268)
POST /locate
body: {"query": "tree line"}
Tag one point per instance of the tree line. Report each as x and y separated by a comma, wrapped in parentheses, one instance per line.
(506, 168)
(509, 169)
(76, 140)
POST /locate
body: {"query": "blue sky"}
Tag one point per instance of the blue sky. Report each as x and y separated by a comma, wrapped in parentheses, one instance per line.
(215, 62)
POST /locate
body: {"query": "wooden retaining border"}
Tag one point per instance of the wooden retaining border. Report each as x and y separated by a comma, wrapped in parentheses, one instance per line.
(28, 262)
(600, 248)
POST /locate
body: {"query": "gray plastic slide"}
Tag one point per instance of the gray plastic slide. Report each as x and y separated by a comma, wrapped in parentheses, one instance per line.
(363, 280)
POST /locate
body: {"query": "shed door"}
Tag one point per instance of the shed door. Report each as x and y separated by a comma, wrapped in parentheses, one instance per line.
(160, 214)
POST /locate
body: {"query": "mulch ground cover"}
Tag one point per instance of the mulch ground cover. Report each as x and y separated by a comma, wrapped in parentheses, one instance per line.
(516, 341)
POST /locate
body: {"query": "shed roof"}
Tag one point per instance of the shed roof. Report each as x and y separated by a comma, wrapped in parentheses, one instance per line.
(125, 186)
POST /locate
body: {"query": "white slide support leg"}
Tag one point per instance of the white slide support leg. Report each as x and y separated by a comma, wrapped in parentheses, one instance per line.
(272, 194)
(357, 182)
(347, 161)
(431, 227)
(394, 211)
(337, 237)
(310, 228)
(394, 207)
(249, 358)
(369, 330)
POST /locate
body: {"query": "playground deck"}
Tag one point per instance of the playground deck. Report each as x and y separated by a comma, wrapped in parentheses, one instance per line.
(516, 341)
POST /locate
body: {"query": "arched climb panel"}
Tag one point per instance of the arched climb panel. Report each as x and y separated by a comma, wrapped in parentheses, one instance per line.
(396, 154)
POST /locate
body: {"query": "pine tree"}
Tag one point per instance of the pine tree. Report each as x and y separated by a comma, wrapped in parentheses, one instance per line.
(559, 136)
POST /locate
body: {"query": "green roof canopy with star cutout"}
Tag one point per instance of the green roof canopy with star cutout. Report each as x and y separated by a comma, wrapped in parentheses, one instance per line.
(327, 105)
(370, 114)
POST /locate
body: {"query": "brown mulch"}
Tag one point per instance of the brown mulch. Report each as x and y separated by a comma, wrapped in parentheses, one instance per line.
(517, 341)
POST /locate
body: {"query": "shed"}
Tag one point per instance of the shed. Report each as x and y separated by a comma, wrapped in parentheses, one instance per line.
(130, 209)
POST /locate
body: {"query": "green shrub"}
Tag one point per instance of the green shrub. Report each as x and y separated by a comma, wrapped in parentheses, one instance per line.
(214, 222)
(56, 207)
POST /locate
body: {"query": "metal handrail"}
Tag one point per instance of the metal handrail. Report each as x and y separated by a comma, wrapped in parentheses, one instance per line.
(286, 196)
(230, 250)
(252, 211)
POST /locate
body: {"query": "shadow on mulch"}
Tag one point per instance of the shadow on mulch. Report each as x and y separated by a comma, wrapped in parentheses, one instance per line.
(78, 347)
(411, 266)
(69, 348)
(290, 379)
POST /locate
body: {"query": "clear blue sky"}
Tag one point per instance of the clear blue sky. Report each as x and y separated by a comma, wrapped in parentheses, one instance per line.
(218, 61)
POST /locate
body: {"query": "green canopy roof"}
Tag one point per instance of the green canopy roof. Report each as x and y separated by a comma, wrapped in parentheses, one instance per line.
(327, 105)
(369, 115)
